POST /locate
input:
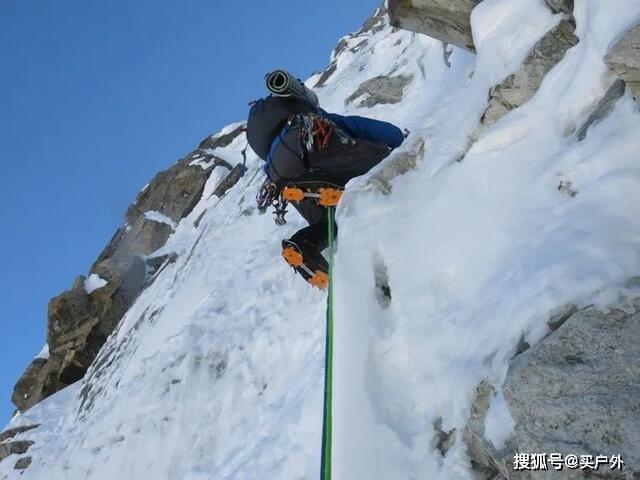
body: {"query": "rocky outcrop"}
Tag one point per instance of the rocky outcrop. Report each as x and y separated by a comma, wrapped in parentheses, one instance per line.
(396, 165)
(236, 173)
(624, 60)
(81, 319)
(485, 458)
(561, 6)
(22, 463)
(354, 42)
(604, 108)
(520, 87)
(11, 448)
(577, 392)
(12, 432)
(446, 20)
(380, 90)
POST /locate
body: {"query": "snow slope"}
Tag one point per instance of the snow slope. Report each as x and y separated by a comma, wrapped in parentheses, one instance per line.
(216, 371)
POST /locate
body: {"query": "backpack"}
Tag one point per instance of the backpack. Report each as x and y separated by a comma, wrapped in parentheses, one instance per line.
(266, 119)
(313, 141)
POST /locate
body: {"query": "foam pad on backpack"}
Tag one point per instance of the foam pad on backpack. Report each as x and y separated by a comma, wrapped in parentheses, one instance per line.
(266, 119)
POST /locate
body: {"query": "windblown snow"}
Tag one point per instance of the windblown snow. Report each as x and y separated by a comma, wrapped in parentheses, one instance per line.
(216, 372)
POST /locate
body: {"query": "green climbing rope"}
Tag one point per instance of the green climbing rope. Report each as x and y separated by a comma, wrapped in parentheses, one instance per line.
(325, 469)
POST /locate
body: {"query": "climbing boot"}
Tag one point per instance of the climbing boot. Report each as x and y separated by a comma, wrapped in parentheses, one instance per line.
(313, 270)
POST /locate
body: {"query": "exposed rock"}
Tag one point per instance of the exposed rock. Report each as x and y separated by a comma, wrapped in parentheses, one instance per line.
(79, 323)
(22, 463)
(236, 173)
(484, 456)
(561, 6)
(221, 141)
(67, 314)
(12, 432)
(604, 108)
(11, 448)
(380, 90)
(444, 439)
(27, 390)
(518, 88)
(446, 20)
(173, 192)
(397, 165)
(373, 25)
(561, 315)
(624, 60)
(578, 391)
(566, 187)
(326, 75)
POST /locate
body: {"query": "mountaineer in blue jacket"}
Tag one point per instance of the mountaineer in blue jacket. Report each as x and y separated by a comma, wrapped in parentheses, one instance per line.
(309, 156)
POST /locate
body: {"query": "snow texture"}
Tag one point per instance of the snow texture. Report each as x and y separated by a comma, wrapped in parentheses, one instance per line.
(160, 218)
(216, 372)
(93, 282)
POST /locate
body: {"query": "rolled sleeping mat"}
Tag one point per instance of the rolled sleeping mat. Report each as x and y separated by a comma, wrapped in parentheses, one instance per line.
(282, 84)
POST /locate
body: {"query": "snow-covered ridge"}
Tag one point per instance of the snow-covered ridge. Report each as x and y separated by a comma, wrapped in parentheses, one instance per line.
(216, 371)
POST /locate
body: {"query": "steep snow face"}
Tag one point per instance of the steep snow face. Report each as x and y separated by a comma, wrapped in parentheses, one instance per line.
(216, 372)
(476, 253)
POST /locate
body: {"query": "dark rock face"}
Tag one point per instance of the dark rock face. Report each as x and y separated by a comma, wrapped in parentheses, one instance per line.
(30, 384)
(624, 60)
(380, 90)
(18, 447)
(374, 24)
(561, 6)
(604, 108)
(578, 391)
(446, 20)
(236, 173)
(12, 432)
(80, 322)
(520, 87)
(22, 463)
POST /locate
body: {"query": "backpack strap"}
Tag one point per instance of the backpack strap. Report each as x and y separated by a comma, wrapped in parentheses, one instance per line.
(279, 141)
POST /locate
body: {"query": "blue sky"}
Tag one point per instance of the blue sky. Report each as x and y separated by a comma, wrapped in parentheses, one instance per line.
(96, 97)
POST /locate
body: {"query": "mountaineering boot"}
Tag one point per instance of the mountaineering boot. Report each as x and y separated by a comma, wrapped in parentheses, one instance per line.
(310, 265)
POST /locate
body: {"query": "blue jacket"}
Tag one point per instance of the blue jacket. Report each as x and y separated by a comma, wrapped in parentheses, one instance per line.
(369, 129)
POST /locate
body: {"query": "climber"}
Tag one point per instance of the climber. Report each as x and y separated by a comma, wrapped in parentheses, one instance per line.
(309, 156)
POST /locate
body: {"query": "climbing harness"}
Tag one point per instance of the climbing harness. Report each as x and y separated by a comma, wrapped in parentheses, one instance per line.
(327, 422)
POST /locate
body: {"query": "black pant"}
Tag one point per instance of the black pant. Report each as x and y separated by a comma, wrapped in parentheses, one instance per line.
(312, 240)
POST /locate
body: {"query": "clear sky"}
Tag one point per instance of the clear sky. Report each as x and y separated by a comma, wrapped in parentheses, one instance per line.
(98, 96)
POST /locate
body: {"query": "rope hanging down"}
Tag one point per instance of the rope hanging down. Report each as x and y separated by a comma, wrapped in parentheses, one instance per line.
(325, 470)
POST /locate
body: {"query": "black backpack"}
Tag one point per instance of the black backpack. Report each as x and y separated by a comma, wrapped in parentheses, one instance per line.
(294, 137)
(266, 119)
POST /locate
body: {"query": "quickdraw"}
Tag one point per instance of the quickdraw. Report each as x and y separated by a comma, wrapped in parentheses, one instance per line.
(315, 132)
(268, 197)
